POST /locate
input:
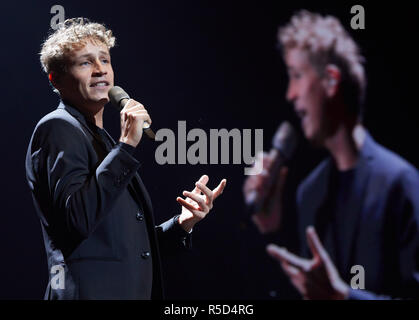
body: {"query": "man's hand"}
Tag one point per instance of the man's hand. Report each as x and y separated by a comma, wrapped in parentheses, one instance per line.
(269, 219)
(132, 117)
(316, 278)
(198, 202)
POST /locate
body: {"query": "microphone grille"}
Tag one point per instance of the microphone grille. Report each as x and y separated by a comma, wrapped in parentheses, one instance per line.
(116, 94)
(285, 139)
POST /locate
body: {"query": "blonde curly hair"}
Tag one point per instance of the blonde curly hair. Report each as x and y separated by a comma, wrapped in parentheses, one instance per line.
(72, 34)
(327, 42)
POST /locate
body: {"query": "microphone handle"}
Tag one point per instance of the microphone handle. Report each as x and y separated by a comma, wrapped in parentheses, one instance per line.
(265, 200)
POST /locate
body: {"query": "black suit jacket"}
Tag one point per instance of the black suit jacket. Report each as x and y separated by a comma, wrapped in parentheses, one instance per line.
(382, 224)
(96, 215)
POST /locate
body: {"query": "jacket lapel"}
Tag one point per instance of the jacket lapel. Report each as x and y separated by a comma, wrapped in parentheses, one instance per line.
(82, 119)
(352, 213)
(313, 206)
(357, 200)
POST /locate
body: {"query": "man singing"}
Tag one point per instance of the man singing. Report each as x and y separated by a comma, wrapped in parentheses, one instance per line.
(96, 215)
(363, 199)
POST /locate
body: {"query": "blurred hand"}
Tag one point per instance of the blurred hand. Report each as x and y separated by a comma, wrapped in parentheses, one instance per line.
(316, 278)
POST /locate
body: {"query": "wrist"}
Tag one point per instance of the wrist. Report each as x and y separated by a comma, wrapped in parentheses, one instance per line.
(186, 224)
(127, 141)
(127, 147)
(342, 291)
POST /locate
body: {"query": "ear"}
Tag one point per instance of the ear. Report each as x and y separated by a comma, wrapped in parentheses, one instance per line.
(54, 79)
(332, 79)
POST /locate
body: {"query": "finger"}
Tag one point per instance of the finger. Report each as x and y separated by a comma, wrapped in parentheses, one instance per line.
(289, 269)
(139, 120)
(250, 184)
(123, 124)
(130, 104)
(141, 115)
(204, 180)
(272, 154)
(186, 204)
(252, 190)
(128, 122)
(274, 251)
(282, 254)
(137, 112)
(195, 211)
(283, 173)
(315, 245)
(136, 107)
(206, 191)
(198, 199)
(145, 118)
(279, 187)
(219, 189)
(268, 159)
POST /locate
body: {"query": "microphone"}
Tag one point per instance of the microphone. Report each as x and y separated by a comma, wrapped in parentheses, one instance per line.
(119, 98)
(284, 144)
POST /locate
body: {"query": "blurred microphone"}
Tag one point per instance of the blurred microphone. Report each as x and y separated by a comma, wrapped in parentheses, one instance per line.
(119, 98)
(284, 144)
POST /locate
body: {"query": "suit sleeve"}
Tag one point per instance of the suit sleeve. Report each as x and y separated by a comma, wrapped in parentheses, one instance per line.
(170, 234)
(172, 237)
(75, 194)
(366, 295)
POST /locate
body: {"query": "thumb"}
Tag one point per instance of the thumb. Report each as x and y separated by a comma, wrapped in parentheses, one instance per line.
(320, 254)
(315, 244)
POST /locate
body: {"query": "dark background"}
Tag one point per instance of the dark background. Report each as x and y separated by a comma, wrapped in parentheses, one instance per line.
(215, 65)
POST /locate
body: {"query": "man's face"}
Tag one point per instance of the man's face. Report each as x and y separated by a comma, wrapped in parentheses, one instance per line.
(89, 76)
(306, 90)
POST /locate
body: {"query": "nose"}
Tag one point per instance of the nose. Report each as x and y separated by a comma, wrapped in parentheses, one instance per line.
(99, 69)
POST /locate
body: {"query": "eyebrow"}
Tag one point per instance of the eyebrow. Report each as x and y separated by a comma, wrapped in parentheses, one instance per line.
(90, 55)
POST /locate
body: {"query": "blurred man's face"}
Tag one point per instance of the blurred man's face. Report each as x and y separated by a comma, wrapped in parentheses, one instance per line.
(89, 76)
(306, 90)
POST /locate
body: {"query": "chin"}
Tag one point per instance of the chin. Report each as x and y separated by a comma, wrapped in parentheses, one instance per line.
(104, 99)
(315, 138)
(100, 99)
(308, 133)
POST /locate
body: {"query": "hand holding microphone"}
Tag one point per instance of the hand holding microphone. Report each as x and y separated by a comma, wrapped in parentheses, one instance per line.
(134, 117)
(263, 192)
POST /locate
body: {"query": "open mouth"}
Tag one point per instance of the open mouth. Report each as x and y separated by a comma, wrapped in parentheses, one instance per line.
(100, 84)
(301, 114)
